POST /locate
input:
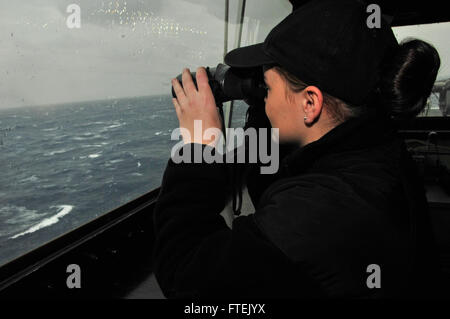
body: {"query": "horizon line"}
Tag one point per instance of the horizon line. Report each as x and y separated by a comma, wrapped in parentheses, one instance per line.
(82, 101)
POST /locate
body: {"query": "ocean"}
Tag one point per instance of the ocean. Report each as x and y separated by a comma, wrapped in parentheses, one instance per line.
(64, 165)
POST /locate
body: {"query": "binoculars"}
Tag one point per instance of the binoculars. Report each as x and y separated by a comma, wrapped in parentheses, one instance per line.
(229, 83)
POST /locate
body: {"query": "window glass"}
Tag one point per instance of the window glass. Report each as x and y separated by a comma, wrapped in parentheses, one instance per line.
(258, 22)
(438, 103)
(85, 106)
(260, 17)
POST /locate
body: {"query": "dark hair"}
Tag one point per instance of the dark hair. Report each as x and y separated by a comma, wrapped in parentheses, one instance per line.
(338, 109)
(407, 78)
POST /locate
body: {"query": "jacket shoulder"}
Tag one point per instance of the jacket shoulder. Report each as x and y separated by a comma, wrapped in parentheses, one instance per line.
(321, 221)
(313, 207)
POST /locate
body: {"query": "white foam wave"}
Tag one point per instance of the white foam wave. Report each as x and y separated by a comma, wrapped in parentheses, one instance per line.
(57, 152)
(169, 132)
(92, 123)
(32, 178)
(136, 174)
(60, 137)
(92, 145)
(87, 137)
(115, 125)
(45, 186)
(64, 210)
(94, 155)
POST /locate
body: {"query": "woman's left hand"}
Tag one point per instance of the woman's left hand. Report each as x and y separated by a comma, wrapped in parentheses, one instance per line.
(192, 104)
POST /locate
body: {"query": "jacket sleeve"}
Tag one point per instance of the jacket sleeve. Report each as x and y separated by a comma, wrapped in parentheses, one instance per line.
(196, 254)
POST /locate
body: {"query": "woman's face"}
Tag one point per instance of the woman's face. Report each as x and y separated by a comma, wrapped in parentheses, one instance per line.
(288, 114)
(282, 113)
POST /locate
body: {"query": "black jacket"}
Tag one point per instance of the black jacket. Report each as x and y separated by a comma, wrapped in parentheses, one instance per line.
(336, 206)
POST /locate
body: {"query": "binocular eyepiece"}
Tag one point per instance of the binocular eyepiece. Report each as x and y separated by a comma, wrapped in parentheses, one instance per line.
(233, 83)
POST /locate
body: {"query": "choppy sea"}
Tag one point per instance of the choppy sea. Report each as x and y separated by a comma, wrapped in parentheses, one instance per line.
(63, 165)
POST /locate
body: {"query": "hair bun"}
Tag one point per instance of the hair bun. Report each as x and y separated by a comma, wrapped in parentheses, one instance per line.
(407, 78)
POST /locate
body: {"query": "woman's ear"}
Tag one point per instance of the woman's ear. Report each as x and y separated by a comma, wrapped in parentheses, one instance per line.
(312, 104)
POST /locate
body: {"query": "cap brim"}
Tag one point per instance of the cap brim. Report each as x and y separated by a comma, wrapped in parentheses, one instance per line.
(247, 57)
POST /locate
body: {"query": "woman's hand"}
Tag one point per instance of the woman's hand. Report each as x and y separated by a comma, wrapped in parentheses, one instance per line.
(192, 104)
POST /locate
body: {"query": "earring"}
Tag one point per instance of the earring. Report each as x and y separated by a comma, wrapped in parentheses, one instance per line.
(305, 118)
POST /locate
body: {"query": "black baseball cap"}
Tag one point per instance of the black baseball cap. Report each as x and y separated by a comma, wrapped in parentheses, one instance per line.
(328, 44)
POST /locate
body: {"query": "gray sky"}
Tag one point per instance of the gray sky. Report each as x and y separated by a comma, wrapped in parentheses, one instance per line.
(129, 48)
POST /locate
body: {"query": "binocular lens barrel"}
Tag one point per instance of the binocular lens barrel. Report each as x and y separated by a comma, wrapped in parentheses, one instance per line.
(233, 84)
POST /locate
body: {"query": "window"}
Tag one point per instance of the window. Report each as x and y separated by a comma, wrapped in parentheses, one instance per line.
(86, 113)
(438, 103)
(260, 17)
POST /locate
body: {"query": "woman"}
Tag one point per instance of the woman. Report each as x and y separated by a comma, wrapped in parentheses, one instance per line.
(346, 214)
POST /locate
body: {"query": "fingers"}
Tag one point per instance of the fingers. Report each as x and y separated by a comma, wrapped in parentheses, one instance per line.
(189, 89)
(177, 106)
(179, 92)
(202, 80)
(188, 84)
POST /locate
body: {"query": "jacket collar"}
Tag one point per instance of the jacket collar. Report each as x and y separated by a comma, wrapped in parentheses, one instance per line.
(354, 134)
